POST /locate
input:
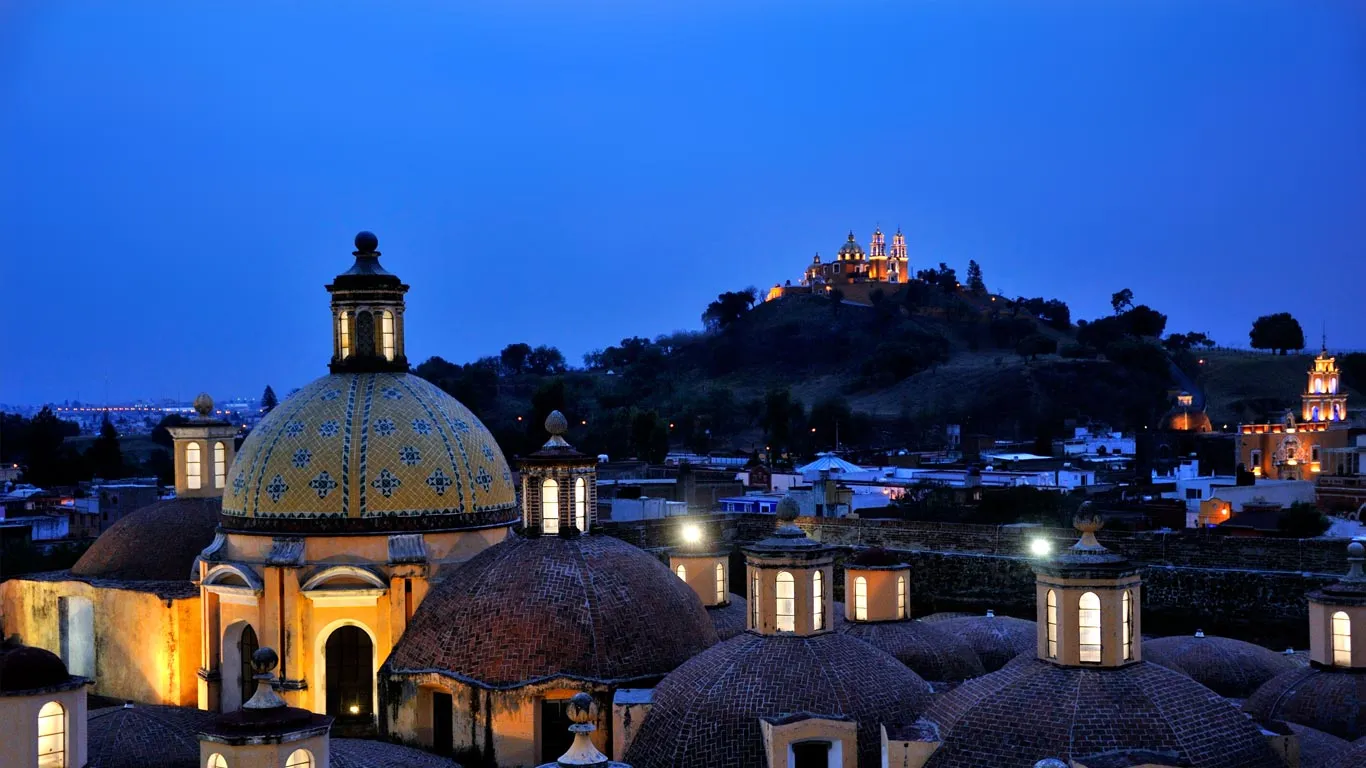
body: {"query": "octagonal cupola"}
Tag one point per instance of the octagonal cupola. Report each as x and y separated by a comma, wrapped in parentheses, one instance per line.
(559, 485)
(1337, 617)
(703, 566)
(1088, 604)
(367, 314)
(876, 587)
(789, 577)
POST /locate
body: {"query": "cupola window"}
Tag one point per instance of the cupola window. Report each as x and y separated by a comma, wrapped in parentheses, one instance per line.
(860, 599)
(817, 602)
(216, 761)
(550, 506)
(901, 597)
(1342, 640)
(581, 505)
(785, 594)
(720, 583)
(193, 478)
(300, 758)
(386, 333)
(754, 600)
(220, 465)
(1127, 624)
(1052, 619)
(1088, 619)
(52, 736)
(682, 572)
(344, 334)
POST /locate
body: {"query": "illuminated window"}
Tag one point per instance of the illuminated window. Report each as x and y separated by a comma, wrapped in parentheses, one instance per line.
(300, 758)
(192, 476)
(1314, 413)
(720, 583)
(386, 334)
(785, 595)
(860, 599)
(1052, 617)
(550, 506)
(901, 597)
(754, 600)
(220, 465)
(216, 761)
(1088, 617)
(817, 602)
(52, 736)
(1342, 640)
(581, 504)
(1333, 384)
(1255, 459)
(682, 572)
(344, 334)
(1127, 625)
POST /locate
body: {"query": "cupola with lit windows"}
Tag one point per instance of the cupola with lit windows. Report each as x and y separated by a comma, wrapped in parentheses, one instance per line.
(559, 485)
(1088, 599)
(789, 578)
(705, 569)
(367, 315)
(203, 452)
(1323, 399)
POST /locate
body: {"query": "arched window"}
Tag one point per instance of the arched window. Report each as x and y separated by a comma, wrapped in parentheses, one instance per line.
(1337, 411)
(860, 599)
(216, 761)
(220, 465)
(300, 758)
(344, 334)
(581, 504)
(386, 334)
(550, 506)
(817, 602)
(754, 600)
(192, 471)
(785, 594)
(901, 597)
(682, 572)
(1088, 617)
(1126, 628)
(1052, 618)
(1318, 386)
(52, 736)
(1342, 640)
(720, 583)
(1333, 384)
(1314, 413)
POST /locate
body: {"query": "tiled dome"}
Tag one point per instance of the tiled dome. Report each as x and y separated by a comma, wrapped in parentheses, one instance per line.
(156, 543)
(706, 713)
(536, 608)
(369, 451)
(1032, 707)
(1319, 749)
(1352, 757)
(1327, 700)
(929, 651)
(25, 668)
(995, 639)
(145, 736)
(729, 619)
(1228, 667)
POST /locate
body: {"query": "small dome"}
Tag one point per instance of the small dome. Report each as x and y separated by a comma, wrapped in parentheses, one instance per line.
(149, 736)
(1319, 749)
(1324, 699)
(1352, 757)
(706, 712)
(1230, 668)
(156, 543)
(1033, 707)
(995, 639)
(928, 650)
(25, 668)
(935, 618)
(1186, 419)
(531, 609)
(851, 249)
(364, 753)
(729, 619)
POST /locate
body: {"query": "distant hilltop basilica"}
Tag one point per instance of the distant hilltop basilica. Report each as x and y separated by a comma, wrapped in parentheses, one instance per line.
(853, 267)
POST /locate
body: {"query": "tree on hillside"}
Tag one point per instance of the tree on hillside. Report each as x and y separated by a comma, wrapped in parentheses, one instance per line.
(545, 361)
(104, 455)
(513, 357)
(268, 400)
(1143, 320)
(776, 419)
(1279, 333)
(728, 308)
(1036, 344)
(1122, 300)
(836, 297)
(1302, 520)
(1056, 314)
(46, 461)
(1182, 342)
(976, 286)
(161, 435)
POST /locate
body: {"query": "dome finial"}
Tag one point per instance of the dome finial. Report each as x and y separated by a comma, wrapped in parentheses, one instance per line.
(1356, 556)
(788, 510)
(366, 243)
(556, 424)
(583, 710)
(263, 661)
(1088, 524)
(203, 405)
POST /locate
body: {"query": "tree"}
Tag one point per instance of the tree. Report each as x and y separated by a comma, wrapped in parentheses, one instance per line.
(47, 464)
(1184, 342)
(161, 435)
(1143, 320)
(728, 308)
(268, 400)
(1036, 344)
(975, 285)
(104, 455)
(1121, 300)
(545, 361)
(514, 357)
(1302, 520)
(1279, 333)
(1056, 314)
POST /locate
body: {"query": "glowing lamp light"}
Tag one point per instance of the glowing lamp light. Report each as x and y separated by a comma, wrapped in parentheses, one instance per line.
(692, 534)
(355, 709)
(1040, 547)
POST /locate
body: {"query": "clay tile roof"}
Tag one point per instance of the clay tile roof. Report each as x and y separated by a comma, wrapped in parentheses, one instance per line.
(25, 668)
(1230, 668)
(156, 543)
(729, 620)
(145, 737)
(928, 650)
(996, 639)
(1327, 700)
(530, 609)
(1033, 707)
(706, 713)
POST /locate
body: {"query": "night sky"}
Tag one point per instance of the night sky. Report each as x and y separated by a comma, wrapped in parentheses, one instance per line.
(178, 180)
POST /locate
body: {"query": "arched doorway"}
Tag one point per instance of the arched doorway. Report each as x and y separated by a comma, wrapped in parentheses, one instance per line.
(350, 674)
(247, 645)
(239, 643)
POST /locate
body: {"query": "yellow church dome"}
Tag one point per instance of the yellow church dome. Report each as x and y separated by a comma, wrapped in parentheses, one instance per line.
(367, 451)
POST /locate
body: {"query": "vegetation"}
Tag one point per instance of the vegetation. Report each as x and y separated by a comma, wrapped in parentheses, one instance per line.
(268, 400)
(1302, 520)
(1279, 333)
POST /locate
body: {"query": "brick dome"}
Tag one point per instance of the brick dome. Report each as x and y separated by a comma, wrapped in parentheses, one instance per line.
(24, 668)
(145, 736)
(1352, 757)
(536, 608)
(156, 543)
(929, 651)
(1228, 667)
(706, 713)
(1319, 749)
(729, 619)
(935, 618)
(1327, 700)
(995, 639)
(1035, 708)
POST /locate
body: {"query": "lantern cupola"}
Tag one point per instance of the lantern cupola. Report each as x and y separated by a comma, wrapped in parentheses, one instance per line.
(1337, 616)
(876, 587)
(789, 579)
(367, 315)
(204, 447)
(559, 485)
(1088, 604)
(702, 566)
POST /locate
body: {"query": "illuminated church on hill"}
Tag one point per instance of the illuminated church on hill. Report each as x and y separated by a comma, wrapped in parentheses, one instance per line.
(853, 266)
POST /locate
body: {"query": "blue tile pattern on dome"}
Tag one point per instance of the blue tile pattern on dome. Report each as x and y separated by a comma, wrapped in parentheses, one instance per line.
(342, 447)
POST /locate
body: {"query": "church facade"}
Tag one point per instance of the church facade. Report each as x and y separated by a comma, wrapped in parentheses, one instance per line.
(854, 268)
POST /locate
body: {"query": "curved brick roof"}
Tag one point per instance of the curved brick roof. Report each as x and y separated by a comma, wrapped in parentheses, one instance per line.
(1352, 757)
(996, 639)
(1327, 700)
(1226, 666)
(529, 609)
(729, 620)
(363, 753)
(935, 618)
(706, 713)
(145, 736)
(156, 543)
(929, 651)
(1319, 749)
(1032, 708)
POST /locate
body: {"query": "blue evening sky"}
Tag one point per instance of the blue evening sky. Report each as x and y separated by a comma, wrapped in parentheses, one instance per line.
(179, 179)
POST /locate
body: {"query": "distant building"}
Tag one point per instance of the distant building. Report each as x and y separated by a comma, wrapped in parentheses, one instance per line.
(1294, 450)
(853, 266)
